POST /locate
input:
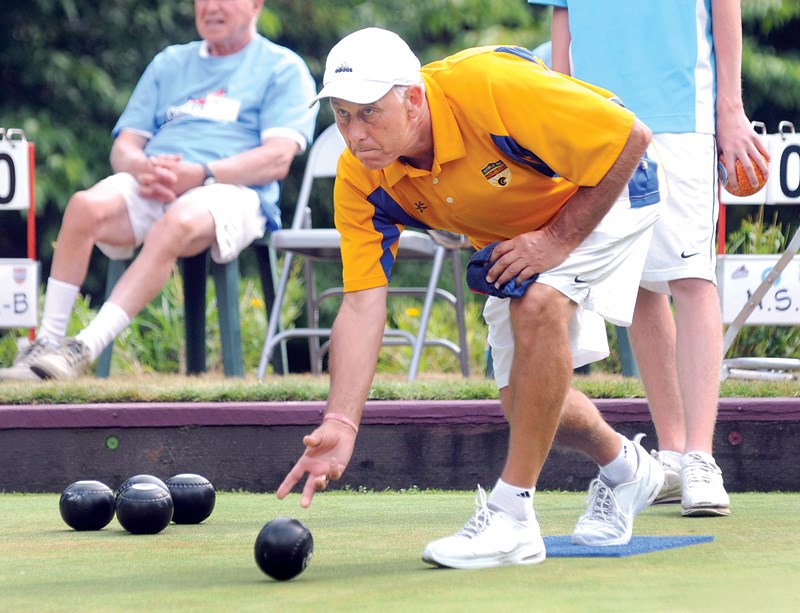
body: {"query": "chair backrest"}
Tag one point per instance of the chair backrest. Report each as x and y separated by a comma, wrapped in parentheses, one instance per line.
(321, 164)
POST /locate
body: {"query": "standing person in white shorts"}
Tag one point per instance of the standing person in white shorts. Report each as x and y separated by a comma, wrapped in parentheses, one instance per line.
(209, 131)
(677, 65)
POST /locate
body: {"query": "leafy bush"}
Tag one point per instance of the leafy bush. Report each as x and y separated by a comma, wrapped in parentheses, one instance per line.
(155, 341)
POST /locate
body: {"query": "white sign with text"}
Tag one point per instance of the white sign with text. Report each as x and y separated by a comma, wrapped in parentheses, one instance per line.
(19, 293)
(738, 277)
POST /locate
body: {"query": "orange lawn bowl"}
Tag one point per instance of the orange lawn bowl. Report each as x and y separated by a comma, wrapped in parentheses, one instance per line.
(745, 187)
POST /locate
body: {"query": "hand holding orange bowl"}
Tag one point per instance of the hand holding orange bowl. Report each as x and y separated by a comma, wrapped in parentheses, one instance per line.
(745, 187)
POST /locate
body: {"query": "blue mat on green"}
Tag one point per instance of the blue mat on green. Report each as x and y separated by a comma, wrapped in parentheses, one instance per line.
(562, 547)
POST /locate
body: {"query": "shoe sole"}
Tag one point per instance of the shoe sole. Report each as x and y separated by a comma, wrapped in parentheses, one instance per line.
(623, 540)
(42, 373)
(32, 376)
(52, 374)
(706, 512)
(667, 500)
(518, 558)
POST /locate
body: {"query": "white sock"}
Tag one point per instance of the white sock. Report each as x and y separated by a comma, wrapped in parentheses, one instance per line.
(59, 299)
(516, 501)
(104, 328)
(622, 468)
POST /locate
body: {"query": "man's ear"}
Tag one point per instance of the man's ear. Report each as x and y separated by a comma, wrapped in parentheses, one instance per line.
(415, 95)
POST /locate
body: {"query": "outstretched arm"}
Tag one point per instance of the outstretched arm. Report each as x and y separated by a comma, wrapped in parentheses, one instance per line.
(355, 342)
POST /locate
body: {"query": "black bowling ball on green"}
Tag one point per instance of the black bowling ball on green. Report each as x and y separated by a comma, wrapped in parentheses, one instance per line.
(144, 508)
(193, 497)
(87, 505)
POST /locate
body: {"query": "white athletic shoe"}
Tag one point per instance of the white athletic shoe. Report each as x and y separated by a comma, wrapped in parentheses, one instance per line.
(609, 517)
(703, 492)
(490, 538)
(70, 361)
(20, 370)
(671, 463)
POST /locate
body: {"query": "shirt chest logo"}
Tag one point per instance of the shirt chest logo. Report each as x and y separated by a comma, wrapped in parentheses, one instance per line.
(215, 106)
(497, 173)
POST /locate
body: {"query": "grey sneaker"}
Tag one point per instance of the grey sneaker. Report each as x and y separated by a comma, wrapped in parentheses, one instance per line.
(671, 463)
(490, 538)
(70, 361)
(609, 517)
(703, 492)
(20, 370)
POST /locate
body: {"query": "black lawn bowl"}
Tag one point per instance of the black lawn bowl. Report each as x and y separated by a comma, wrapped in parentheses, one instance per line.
(87, 505)
(193, 497)
(284, 548)
(144, 508)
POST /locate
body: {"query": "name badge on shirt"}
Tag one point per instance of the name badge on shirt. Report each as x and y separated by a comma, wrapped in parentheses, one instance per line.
(220, 108)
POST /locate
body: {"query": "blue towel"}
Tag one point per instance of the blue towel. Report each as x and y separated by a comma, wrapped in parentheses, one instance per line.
(477, 268)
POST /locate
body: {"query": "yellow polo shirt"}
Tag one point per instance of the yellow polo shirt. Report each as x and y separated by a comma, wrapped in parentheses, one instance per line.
(513, 141)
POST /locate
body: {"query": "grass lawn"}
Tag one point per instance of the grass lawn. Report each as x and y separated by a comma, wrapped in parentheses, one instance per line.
(212, 387)
(367, 558)
(368, 545)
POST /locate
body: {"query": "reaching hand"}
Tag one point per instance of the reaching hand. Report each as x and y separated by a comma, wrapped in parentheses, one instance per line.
(328, 451)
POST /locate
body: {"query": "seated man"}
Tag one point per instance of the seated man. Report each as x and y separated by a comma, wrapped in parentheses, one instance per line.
(491, 144)
(210, 129)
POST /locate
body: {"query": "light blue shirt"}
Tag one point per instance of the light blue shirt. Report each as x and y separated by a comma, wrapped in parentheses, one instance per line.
(656, 55)
(211, 107)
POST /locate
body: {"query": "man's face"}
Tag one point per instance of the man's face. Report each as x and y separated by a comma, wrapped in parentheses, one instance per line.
(226, 25)
(377, 133)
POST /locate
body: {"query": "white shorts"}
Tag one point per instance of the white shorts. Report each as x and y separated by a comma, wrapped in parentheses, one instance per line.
(601, 276)
(236, 209)
(684, 239)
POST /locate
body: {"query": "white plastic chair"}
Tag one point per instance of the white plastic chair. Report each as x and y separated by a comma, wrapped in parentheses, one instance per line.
(322, 245)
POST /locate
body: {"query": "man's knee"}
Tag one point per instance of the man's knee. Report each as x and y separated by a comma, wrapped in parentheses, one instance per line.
(184, 232)
(84, 209)
(692, 287)
(541, 309)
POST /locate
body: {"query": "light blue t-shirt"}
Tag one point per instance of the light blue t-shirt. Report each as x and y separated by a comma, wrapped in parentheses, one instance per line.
(656, 55)
(212, 107)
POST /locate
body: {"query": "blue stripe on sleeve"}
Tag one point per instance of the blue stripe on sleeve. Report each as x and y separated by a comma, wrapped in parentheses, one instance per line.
(388, 213)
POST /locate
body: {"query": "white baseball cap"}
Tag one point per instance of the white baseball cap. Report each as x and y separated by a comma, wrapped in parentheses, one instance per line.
(365, 65)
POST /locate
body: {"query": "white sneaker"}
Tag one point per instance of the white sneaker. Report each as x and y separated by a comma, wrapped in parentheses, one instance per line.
(703, 492)
(70, 361)
(489, 539)
(20, 370)
(670, 462)
(609, 517)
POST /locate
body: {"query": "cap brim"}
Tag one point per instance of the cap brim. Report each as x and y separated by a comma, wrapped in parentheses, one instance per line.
(358, 92)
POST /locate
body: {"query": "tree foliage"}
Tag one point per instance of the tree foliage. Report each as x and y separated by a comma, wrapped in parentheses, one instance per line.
(67, 68)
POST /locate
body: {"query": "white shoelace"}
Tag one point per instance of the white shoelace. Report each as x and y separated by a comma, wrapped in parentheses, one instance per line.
(603, 504)
(480, 520)
(699, 470)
